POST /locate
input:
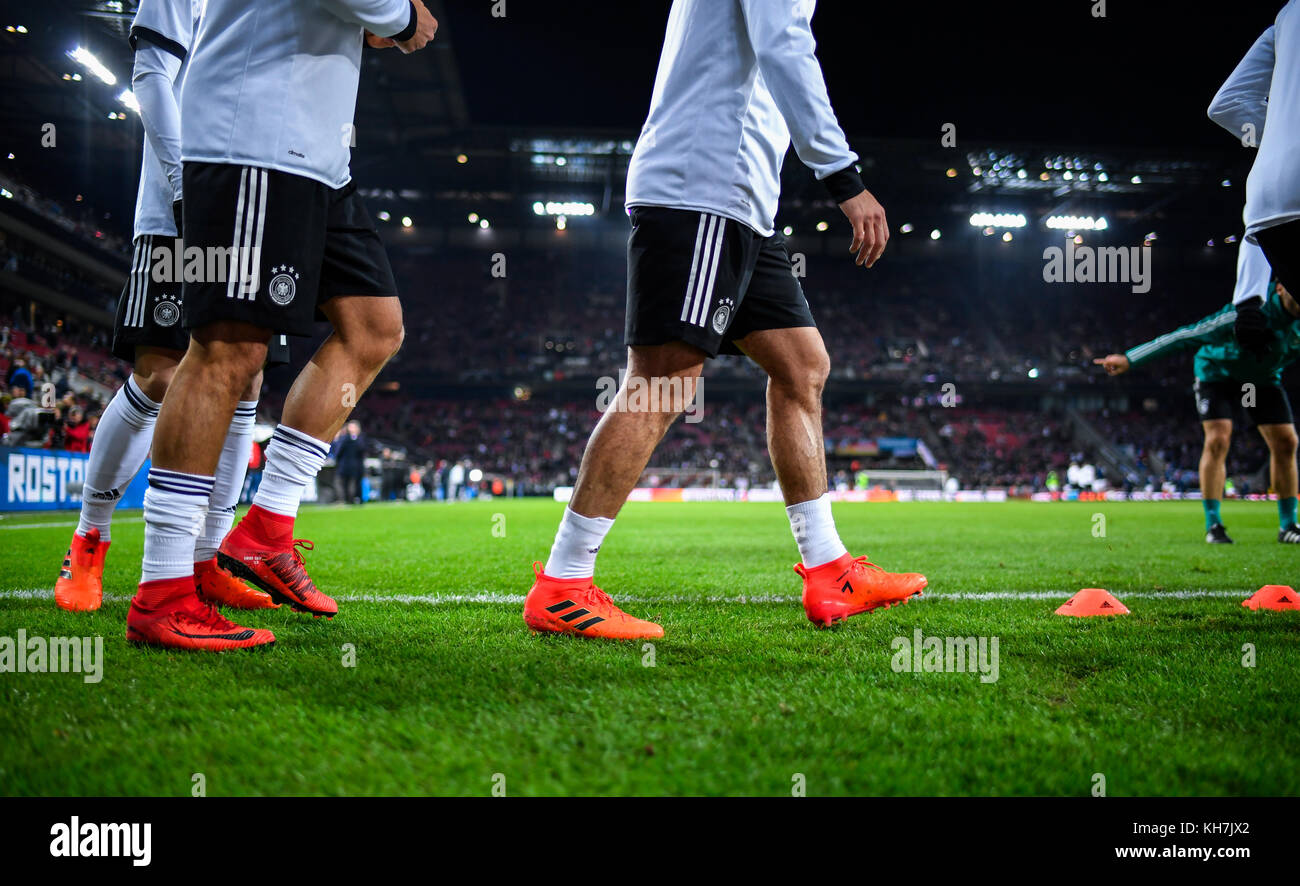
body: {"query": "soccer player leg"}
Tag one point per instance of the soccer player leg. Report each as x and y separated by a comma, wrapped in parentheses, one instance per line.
(1216, 407)
(230, 307)
(680, 264)
(358, 296)
(1272, 415)
(775, 329)
(215, 584)
(658, 385)
(147, 333)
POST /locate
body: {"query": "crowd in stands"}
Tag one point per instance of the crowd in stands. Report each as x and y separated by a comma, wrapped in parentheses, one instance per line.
(555, 316)
(55, 388)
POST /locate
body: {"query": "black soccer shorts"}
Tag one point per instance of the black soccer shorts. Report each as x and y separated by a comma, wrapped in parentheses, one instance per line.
(706, 280)
(1227, 399)
(283, 244)
(1281, 246)
(149, 311)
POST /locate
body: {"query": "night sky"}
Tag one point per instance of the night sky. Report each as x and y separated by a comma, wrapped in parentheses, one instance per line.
(1040, 71)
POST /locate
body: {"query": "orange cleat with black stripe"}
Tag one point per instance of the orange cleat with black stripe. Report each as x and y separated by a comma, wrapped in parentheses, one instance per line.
(219, 587)
(577, 606)
(851, 585)
(80, 586)
(261, 550)
(169, 613)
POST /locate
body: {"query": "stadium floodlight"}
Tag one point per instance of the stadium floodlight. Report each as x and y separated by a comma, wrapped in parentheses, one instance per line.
(906, 228)
(935, 235)
(998, 220)
(569, 208)
(1077, 223)
(128, 98)
(84, 57)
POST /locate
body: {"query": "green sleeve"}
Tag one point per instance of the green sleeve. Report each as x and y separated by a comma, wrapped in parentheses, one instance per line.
(1216, 328)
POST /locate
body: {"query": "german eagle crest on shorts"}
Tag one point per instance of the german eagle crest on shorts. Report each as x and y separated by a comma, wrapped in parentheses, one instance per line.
(284, 285)
(166, 309)
(722, 315)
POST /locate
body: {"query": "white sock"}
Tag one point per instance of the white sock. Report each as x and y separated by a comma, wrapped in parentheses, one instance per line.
(121, 444)
(293, 459)
(814, 531)
(229, 481)
(174, 506)
(576, 543)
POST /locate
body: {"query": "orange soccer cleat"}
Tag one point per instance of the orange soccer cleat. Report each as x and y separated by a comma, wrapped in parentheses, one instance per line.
(577, 606)
(274, 566)
(80, 586)
(219, 587)
(850, 585)
(180, 620)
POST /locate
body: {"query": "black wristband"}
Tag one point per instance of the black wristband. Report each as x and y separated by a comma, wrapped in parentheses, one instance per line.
(409, 31)
(845, 184)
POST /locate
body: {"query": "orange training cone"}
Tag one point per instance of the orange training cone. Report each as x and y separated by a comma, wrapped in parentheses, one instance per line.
(1275, 597)
(1092, 601)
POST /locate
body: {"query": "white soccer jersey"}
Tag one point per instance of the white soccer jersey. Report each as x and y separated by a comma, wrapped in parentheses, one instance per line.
(737, 80)
(273, 83)
(161, 35)
(1263, 92)
(1253, 273)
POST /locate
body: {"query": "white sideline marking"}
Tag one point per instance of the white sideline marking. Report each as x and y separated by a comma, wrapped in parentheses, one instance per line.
(65, 525)
(491, 598)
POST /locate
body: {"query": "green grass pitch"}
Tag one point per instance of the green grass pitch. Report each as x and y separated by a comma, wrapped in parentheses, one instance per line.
(451, 694)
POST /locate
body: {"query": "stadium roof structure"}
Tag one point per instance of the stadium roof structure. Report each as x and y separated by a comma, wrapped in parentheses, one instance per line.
(428, 170)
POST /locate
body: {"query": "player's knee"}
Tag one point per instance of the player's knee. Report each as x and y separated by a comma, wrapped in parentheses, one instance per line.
(230, 356)
(154, 380)
(374, 342)
(396, 341)
(1283, 441)
(1216, 444)
(253, 390)
(806, 379)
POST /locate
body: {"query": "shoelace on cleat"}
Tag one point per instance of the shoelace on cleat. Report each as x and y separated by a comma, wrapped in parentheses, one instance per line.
(862, 564)
(305, 545)
(208, 616)
(595, 597)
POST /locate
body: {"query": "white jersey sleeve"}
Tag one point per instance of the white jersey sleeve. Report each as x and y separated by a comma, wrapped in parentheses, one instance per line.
(785, 51)
(168, 24)
(153, 82)
(162, 35)
(1273, 187)
(384, 18)
(1241, 104)
(1253, 273)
